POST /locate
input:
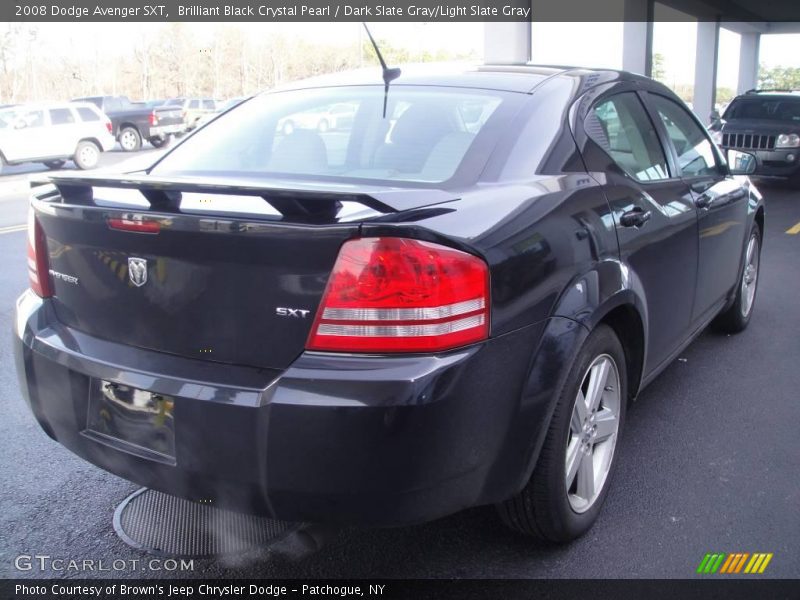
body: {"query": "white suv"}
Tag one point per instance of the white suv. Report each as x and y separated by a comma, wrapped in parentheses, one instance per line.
(54, 133)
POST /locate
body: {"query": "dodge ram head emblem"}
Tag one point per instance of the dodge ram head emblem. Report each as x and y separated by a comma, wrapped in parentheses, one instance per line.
(137, 271)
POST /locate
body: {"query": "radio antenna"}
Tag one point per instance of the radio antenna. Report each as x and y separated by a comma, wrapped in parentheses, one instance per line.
(389, 75)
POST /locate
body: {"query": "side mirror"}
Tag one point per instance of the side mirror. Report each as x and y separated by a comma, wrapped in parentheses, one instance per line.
(20, 124)
(741, 163)
(714, 118)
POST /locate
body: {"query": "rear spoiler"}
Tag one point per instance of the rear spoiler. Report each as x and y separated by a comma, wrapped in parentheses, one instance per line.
(304, 200)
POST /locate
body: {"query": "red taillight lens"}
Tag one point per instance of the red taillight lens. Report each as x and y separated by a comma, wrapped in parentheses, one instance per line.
(38, 269)
(135, 225)
(109, 127)
(402, 295)
(153, 118)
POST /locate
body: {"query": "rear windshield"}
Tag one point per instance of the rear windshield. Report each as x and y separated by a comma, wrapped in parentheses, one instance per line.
(341, 133)
(773, 109)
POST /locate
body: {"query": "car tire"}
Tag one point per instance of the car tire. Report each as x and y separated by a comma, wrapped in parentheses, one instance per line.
(129, 139)
(87, 155)
(737, 316)
(160, 142)
(323, 126)
(554, 506)
(288, 128)
(54, 164)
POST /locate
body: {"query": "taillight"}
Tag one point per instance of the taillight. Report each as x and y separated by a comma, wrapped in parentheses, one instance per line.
(402, 295)
(38, 269)
(153, 118)
(110, 127)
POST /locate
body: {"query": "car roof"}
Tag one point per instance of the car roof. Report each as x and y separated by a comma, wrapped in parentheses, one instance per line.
(49, 105)
(521, 78)
(772, 94)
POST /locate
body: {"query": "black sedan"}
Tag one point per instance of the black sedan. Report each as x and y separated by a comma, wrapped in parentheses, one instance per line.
(447, 303)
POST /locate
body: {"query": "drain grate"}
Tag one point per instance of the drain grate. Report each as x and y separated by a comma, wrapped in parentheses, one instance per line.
(161, 524)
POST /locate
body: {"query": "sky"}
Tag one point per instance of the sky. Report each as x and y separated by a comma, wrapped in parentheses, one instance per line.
(553, 43)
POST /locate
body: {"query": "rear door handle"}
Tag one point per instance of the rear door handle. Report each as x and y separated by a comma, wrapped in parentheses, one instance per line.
(636, 217)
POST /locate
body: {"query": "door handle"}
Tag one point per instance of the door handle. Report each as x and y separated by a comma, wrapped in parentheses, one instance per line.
(636, 217)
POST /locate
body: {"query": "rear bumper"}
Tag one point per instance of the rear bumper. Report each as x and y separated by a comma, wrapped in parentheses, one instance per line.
(333, 439)
(108, 142)
(166, 128)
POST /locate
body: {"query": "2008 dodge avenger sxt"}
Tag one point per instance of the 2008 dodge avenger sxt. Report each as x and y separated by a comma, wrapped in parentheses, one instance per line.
(443, 298)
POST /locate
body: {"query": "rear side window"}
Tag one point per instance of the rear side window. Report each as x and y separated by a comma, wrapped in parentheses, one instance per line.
(209, 104)
(61, 116)
(342, 133)
(87, 114)
(194, 104)
(695, 153)
(621, 127)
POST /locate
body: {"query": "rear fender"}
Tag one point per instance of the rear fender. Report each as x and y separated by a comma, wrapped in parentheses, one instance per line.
(583, 304)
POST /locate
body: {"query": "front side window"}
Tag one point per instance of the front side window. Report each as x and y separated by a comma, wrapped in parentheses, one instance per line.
(621, 127)
(695, 153)
(22, 118)
(341, 133)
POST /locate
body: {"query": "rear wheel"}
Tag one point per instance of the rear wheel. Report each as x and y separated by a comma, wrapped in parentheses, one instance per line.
(87, 155)
(737, 316)
(570, 481)
(129, 139)
(54, 164)
(160, 141)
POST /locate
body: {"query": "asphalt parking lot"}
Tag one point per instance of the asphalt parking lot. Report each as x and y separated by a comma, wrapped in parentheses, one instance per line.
(709, 462)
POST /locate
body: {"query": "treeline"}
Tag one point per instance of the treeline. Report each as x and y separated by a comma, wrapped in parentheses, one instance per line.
(172, 60)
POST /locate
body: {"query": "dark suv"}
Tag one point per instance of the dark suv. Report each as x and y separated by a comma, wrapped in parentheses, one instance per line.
(765, 123)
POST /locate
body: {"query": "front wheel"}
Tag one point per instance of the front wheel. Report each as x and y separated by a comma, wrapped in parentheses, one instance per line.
(571, 479)
(87, 155)
(129, 139)
(737, 317)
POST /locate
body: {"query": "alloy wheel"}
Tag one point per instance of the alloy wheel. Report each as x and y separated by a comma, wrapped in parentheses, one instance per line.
(593, 433)
(750, 276)
(89, 156)
(127, 140)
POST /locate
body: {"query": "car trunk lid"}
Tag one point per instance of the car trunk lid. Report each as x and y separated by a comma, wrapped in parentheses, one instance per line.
(144, 261)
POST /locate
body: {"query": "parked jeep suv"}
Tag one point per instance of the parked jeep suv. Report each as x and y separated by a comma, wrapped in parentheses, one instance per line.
(54, 133)
(765, 123)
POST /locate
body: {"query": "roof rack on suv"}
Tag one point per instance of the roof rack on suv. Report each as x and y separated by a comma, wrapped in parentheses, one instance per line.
(772, 90)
